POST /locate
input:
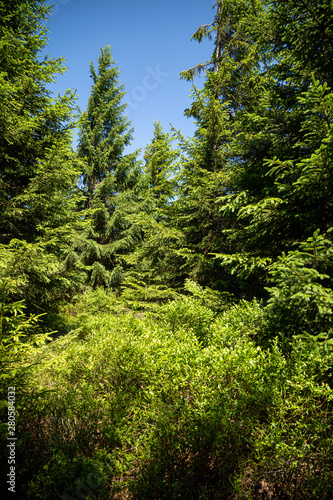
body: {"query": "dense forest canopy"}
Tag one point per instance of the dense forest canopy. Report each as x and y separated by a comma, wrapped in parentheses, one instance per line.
(169, 318)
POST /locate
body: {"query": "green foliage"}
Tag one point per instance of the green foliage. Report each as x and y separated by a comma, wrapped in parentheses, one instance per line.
(140, 295)
(288, 462)
(41, 272)
(302, 299)
(215, 300)
(38, 168)
(35, 127)
(109, 179)
(189, 315)
(281, 187)
(214, 159)
(239, 323)
(257, 179)
(159, 167)
(77, 316)
(17, 335)
(300, 30)
(158, 257)
(19, 338)
(167, 383)
(104, 132)
(147, 411)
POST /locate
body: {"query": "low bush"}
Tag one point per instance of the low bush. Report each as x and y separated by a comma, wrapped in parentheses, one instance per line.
(142, 408)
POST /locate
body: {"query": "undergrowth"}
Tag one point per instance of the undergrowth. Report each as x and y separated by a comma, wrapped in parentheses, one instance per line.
(183, 403)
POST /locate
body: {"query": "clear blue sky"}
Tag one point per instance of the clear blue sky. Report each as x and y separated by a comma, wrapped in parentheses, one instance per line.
(151, 42)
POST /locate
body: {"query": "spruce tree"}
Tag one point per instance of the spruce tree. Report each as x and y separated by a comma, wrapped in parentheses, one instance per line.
(38, 167)
(285, 187)
(273, 152)
(212, 160)
(156, 260)
(110, 178)
(32, 123)
(160, 167)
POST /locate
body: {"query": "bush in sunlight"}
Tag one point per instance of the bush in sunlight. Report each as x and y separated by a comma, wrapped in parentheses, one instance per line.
(150, 411)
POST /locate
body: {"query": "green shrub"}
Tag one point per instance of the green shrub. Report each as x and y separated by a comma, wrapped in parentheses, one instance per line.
(302, 299)
(78, 314)
(19, 336)
(152, 411)
(187, 313)
(292, 453)
(240, 322)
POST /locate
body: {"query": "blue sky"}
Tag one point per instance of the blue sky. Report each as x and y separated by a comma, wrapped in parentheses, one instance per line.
(151, 42)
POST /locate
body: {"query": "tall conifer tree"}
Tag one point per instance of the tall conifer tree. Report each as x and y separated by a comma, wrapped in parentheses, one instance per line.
(38, 167)
(156, 264)
(264, 124)
(155, 260)
(284, 186)
(110, 176)
(232, 86)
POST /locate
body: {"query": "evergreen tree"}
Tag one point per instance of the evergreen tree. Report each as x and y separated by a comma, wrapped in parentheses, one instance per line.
(156, 261)
(285, 189)
(38, 167)
(212, 159)
(32, 123)
(110, 177)
(159, 167)
(260, 169)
